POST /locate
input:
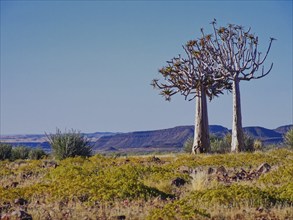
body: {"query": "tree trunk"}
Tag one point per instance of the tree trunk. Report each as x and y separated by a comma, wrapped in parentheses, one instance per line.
(201, 142)
(237, 144)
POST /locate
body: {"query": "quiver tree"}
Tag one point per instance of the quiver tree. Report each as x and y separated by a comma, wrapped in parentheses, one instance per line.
(194, 79)
(235, 51)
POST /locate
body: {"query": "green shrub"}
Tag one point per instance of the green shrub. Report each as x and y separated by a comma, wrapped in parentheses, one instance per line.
(257, 145)
(69, 144)
(36, 154)
(220, 145)
(187, 147)
(20, 152)
(5, 151)
(248, 143)
(97, 179)
(288, 139)
(223, 145)
(194, 205)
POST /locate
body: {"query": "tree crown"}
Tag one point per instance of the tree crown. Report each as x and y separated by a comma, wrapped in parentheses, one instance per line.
(188, 75)
(235, 51)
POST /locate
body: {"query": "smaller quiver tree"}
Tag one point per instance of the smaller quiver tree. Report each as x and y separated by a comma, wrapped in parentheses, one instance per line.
(235, 51)
(69, 144)
(194, 79)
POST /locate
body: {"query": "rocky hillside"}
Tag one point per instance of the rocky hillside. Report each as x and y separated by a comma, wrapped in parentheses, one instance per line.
(171, 139)
(174, 138)
(268, 136)
(166, 138)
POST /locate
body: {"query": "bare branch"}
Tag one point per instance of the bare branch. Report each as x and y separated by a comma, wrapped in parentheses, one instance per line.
(236, 51)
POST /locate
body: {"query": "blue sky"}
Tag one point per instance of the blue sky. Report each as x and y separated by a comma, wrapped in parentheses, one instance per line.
(87, 65)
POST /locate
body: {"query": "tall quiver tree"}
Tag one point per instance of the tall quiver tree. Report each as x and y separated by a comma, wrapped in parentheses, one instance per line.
(235, 51)
(193, 79)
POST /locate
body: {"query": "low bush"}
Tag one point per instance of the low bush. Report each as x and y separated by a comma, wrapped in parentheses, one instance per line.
(223, 144)
(248, 143)
(220, 145)
(5, 151)
(20, 152)
(187, 147)
(36, 154)
(257, 145)
(69, 144)
(288, 139)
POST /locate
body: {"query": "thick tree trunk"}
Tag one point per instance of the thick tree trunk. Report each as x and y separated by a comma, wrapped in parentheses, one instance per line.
(201, 142)
(237, 144)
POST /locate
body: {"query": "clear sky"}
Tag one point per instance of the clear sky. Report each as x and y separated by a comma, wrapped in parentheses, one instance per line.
(88, 65)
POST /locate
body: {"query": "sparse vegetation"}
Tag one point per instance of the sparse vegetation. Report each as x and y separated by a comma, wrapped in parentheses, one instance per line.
(221, 145)
(69, 144)
(257, 145)
(36, 154)
(288, 139)
(188, 145)
(145, 187)
(20, 152)
(5, 151)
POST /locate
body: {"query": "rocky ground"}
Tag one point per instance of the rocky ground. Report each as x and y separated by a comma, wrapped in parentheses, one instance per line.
(177, 186)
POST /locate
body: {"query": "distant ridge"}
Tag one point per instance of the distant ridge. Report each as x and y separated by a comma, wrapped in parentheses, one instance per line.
(165, 138)
(261, 132)
(268, 136)
(174, 138)
(283, 129)
(171, 139)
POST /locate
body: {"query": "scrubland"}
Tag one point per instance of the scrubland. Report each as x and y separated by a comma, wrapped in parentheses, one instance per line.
(174, 186)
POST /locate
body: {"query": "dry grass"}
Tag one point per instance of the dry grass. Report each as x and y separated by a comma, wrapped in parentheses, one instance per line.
(200, 181)
(202, 196)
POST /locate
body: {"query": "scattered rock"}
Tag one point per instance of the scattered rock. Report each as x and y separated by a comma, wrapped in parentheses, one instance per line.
(260, 209)
(221, 171)
(242, 175)
(37, 202)
(20, 201)
(119, 217)
(83, 198)
(263, 168)
(155, 159)
(6, 206)
(184, 169)
(178, 182)
(210, 170)
(5, 217)
(21, 215)
(49, 163)
(14, 184)
(26, 175)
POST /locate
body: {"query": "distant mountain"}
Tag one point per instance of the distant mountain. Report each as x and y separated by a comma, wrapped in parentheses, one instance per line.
(218, 130)
(171, 139)
(283, 129)
(174, 138)
(260, 132)
(39, 138)
(267, 136)
(165, 139)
